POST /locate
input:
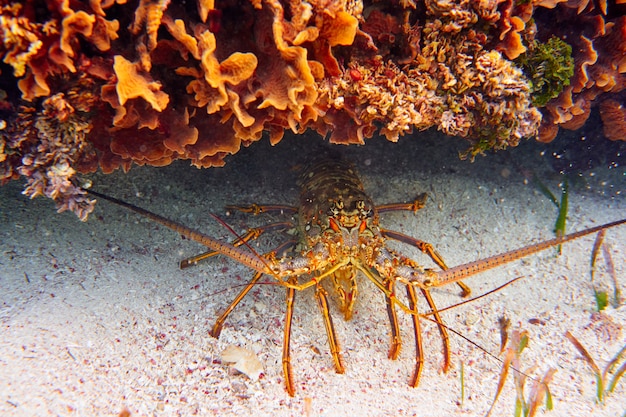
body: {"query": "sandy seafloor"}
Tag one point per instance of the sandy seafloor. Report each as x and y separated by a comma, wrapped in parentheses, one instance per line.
(96, 317)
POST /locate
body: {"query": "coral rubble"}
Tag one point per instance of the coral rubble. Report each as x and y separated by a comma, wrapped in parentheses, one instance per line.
(108, 83)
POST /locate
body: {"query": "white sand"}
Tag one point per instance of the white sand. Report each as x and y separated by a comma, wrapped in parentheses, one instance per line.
(96, 317)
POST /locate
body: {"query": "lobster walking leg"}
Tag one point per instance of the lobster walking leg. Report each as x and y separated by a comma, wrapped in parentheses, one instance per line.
(287, 369)
(219, 323)
(442, 329)
(389, 287)
(427, 249)
(414, 206)
(251, 234)
(396, 339)
(419, 351)
(333, 344)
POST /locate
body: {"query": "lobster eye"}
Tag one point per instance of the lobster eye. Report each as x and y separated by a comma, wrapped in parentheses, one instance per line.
(335, 207)
(363, 212)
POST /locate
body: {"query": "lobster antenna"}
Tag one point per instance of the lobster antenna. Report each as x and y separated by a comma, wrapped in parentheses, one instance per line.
(470, 341)
(251, 260)
(460, 272)
(231, 230)
(506, 284)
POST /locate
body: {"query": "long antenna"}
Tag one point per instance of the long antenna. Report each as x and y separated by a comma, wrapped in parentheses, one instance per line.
(252, 260)
(461, 272)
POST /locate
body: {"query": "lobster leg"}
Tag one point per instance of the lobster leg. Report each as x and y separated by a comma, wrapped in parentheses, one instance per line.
(419, 351)
(287, 369)
(322, 300)
(284, 247)
(219, 323)
(427, 249)
(396, 340)
(251, 234)
(414, 206)
(442, 329)
(384, 266)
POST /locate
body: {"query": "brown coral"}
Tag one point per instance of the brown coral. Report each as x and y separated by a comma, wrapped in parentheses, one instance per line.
(480, 89)
(600, 64)
(613, 115)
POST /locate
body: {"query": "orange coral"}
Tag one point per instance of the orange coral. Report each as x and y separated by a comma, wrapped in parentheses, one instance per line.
(511, 43)
(23, 43)
(20, 38)
(104, 32)
(287, 82)
(188, 42)
(132, 84)
(586, 57)
(204, 7)
(148, 18)
(75, 23)
(223, 85)
(235, 69)
(41, 50)
(339, 29)
(512, 21)
(568, 111)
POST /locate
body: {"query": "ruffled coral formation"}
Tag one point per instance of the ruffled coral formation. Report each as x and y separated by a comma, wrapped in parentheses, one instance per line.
(597, 35)
(151, 81)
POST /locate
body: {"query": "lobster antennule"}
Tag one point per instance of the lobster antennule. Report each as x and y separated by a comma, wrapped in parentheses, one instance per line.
(249, 259)
(461, 272)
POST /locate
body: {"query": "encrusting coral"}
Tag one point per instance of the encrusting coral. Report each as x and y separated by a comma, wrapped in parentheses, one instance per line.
(108, 83)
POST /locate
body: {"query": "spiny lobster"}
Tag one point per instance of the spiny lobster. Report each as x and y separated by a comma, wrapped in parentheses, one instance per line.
(340, 236)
